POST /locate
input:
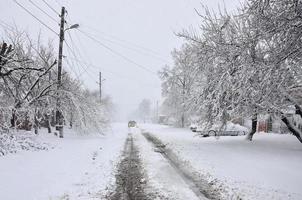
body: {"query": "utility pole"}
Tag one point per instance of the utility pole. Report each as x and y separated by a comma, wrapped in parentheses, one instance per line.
(100, 82)
(59, 116)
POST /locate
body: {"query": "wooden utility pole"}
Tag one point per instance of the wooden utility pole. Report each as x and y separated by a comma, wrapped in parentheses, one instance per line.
(100, 86)
(59, 116)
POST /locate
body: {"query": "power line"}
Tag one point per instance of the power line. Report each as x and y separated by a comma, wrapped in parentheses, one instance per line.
(5, 25)
(69, 66)
(111, 72)
(81, 65)
(78, 51)
(58, 3)
(127, 42)
(69, 47)
(134, 48)
(81, 57)
(117, 53)
(81, 61)
(50, 17)
(78, 74)
(88, 65)
(49, 6)
(20, 5)
(85, 67)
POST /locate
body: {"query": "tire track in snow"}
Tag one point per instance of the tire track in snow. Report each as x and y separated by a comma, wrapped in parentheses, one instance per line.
(201, 188)
(130, 180)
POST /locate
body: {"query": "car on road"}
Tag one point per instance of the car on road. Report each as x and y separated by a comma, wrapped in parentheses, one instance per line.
(193, 127)
(131, 124)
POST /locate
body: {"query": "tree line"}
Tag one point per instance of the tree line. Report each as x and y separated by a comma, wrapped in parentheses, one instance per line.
(239, 65)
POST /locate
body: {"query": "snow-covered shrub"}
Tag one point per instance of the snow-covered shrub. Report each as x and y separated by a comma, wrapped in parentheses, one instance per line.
(19, 141)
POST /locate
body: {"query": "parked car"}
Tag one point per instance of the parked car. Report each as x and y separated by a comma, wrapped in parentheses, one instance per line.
(131, 124)
(230, 130)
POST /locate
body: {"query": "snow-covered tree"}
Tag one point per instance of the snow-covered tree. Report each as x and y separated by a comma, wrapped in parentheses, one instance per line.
(29, 94)
(177, 83)
(248, 64)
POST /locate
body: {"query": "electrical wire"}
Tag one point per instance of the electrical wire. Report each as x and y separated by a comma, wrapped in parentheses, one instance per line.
(117, 75)
(25, 9)
(91, 66)
(5, 25)
(78, 50)
(78, 54)
(71, 69)
(75, 51)
(71, 51)
(75, 57)
(78, 57)
(127, 42)
(49, 6)
(81, 65)
(76, 47)
(50, 17)
(69, 65)
(58, 3)
(117, 53)
(134, 48)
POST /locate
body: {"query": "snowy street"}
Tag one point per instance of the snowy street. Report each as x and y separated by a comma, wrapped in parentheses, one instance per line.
(154, 162)
(151, 100)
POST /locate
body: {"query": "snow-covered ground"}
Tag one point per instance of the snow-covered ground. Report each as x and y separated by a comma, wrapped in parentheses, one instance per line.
(267, 168)
(83, 167)
(76, 167)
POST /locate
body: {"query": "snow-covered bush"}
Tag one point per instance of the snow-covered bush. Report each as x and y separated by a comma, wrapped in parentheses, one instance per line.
(19, 141)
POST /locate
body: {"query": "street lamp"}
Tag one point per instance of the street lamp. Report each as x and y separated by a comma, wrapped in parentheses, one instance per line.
(72, 27)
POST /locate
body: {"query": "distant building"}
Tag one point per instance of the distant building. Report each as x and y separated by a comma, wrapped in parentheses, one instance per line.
(267, 123)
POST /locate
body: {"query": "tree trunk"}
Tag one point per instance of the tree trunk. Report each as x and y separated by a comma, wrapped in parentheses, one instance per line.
(13, 119)
(48, 124)
(254, 127)
(298, 110)
(182, 120)
(296, 132)
(36, 123)
(70, 124)
(71, 119)
(53, 118)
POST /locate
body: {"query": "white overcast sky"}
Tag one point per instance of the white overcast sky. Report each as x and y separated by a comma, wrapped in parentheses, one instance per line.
(140, 30)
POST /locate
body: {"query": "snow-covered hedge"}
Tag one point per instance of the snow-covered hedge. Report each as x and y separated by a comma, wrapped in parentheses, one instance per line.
(20, 141)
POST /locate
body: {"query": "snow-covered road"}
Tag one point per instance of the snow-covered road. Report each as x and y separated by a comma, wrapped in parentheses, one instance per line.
(164, 177)
(165, 163)
(145, 173)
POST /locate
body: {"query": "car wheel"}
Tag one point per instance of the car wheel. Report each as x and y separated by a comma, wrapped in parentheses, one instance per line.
(212, 133)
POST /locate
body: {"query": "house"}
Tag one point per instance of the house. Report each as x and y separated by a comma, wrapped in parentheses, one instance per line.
(267, 123)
